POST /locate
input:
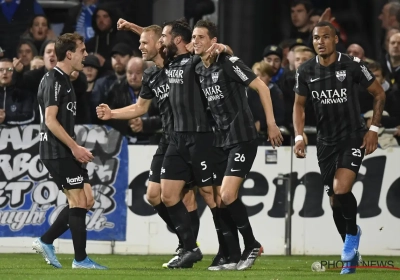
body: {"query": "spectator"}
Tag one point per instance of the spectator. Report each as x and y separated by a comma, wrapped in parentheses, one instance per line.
(265, 72)
(388, 15)
(26, 51)
(300, 15)
(389, 34)
(15, 16)
(39, 31)
(126, 93)
(91, 71)
(285, 46)
(392, 104)
(314, 18)
(392, 60)
(36, 63)
(273, 55)
(301, 55)
(356, 51)
(16, 105)
(104, 22)
(121, 53)
(80, 19)
(291, 54)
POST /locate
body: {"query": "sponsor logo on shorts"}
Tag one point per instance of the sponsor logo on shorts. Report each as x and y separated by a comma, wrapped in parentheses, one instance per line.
(75, 181)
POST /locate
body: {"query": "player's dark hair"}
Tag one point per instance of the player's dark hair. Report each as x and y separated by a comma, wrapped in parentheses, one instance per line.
(306, 3)
(326, 24)
(66, 42)
(210, 26)
(180, 28)
(5, 59)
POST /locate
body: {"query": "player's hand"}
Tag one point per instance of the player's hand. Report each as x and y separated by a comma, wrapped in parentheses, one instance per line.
(2, 115)
(300, 149)
(370, 142)
(275, 136)
(397, 132)
(18, 66)
(190, 47)
(136, 124)
(216, 49)
(82, 154)
(327, 16)
(103, 112)
(123, 25)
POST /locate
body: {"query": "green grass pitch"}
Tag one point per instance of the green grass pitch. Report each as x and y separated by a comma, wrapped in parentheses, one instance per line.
(32, 266)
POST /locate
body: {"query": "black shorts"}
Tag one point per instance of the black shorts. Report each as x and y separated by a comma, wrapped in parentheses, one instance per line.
(187, 158)
(346, 154)
(156, 163)
(240, 158)
(67, 173)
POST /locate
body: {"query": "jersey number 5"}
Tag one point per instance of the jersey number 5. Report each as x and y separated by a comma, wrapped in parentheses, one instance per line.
(356, 152)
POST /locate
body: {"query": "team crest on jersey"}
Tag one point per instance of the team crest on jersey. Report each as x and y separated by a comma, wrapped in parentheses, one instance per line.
(214, 77)
(341, 75)
(184, 61)
(13, 108)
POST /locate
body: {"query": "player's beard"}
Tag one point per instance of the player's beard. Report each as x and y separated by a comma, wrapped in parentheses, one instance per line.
(172, 49)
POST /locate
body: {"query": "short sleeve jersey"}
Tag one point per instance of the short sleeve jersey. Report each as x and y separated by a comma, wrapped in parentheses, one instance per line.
(55, 89)
(335, 102)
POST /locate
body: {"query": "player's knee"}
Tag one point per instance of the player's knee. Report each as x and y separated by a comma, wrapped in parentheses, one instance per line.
(228, 197)
(153, 194)
(169, 199)
(154, 198)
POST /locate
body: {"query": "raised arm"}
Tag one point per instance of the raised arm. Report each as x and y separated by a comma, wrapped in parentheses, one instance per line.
(129, 112)
(129, 26)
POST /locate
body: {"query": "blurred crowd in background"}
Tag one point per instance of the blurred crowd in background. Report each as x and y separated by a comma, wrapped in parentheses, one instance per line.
(114, 68)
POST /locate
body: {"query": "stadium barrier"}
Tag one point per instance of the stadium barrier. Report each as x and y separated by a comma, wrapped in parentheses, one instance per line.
(124, 223)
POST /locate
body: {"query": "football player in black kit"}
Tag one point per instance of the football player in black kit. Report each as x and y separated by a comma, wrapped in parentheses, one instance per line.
(223, 81)
(156, 83)
(342, 136)
(63, 157)
(190, 151)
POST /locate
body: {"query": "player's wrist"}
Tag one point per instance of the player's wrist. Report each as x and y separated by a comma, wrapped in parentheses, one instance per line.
(374, 128)
(73, 145)
(298, 138)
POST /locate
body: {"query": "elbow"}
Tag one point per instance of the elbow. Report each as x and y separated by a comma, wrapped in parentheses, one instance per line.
(49, 122)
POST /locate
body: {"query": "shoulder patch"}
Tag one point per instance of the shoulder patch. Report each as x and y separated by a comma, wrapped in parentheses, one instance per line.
(356, 59)
(233, 59)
